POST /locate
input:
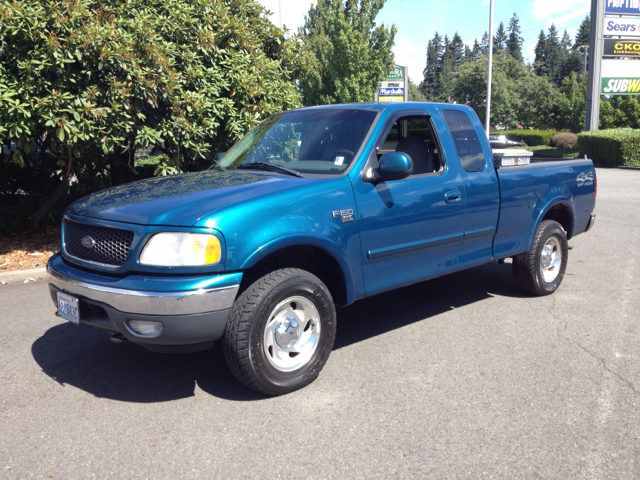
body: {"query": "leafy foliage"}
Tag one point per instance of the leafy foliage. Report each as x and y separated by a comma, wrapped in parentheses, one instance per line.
(518, 97)
(613, 147)
(348, 53)
(86, 83)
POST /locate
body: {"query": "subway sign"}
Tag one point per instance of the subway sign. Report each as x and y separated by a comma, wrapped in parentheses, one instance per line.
(620, 86)
(622, 7)
(622, 48)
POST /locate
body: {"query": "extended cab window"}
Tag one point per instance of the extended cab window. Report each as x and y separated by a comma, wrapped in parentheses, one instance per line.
(466, 140)
(415, 137)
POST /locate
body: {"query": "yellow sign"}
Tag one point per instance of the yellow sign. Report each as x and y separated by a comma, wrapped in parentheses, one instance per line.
(382, 99)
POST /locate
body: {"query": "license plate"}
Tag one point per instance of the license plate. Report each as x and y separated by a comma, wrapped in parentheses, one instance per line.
(68, 307)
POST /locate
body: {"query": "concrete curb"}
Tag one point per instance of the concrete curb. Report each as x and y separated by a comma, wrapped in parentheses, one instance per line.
(22, 275)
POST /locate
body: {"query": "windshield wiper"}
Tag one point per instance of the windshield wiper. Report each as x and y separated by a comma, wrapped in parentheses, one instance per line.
(272, 167)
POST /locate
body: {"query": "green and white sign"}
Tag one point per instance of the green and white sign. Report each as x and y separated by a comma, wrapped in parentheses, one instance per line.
(620, 86)
(393, 87)
(620, 77)
(396, 74)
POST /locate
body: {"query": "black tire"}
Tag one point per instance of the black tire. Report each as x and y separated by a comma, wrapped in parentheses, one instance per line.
(244, 337)
(530, 272)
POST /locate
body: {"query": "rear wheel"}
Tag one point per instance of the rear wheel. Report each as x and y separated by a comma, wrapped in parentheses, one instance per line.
(280, 332)
(541, 270)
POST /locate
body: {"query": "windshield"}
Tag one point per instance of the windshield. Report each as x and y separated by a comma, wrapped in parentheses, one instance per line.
(307, 141)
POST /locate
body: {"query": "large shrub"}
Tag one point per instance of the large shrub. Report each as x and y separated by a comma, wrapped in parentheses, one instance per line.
(533, 138)
(611, 147)
(564, 140)
(85, 83)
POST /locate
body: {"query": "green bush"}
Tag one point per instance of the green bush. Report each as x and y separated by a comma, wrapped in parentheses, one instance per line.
(564, 140)
(532, 138)
(86, 83)
(613, 147)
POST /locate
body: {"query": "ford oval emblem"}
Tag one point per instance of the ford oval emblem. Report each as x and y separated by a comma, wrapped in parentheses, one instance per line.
(87, 242)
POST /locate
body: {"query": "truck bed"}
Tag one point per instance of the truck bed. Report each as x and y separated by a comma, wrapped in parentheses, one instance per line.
(527, 189)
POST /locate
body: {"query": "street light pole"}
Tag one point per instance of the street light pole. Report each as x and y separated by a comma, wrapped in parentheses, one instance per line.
(490, 70)
(280, 13)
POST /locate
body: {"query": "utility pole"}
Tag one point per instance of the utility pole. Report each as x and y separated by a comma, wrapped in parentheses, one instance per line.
(596, 43)
(489, 73)
(280, 13)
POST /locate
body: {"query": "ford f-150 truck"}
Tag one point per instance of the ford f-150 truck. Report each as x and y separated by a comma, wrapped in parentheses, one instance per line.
(314, 208)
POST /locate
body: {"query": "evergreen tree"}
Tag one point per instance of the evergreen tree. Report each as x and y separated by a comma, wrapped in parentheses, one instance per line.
(457, 48)
(582, 37)
(468, 54)
(554, 55)
(476, 50)
(484, 44)
(514, 42)
(538, 62)
(500, 39)
(566, 41)
(429, 85)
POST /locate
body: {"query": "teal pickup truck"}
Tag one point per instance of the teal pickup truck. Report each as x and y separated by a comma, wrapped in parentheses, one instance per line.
(314, 208)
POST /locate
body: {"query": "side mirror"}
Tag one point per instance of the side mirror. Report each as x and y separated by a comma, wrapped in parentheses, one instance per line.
(394, 166)
(219, 156)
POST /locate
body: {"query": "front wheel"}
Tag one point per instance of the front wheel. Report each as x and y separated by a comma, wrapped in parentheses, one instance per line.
(541, 270)
(280, 332)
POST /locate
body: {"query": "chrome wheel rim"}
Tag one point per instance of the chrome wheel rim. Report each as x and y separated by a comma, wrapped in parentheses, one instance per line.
(292, 334)
(550, 260)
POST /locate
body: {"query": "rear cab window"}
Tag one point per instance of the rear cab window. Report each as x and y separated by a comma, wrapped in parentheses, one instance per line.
(466, 141)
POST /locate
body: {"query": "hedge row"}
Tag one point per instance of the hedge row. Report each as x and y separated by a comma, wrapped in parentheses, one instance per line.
(532, 138)
(613, 147)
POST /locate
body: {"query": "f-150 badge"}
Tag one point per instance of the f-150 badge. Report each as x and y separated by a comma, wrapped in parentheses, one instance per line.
(345, 215)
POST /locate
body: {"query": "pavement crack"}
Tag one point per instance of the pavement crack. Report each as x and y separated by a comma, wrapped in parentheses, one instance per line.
(604, 365)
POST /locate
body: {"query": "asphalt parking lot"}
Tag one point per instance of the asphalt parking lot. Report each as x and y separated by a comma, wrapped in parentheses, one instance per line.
(458, 377)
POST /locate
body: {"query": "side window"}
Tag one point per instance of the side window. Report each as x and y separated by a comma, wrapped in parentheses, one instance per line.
(414, 136)
(466, 140)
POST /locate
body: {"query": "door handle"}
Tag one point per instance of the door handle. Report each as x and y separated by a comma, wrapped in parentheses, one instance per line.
(454, 196)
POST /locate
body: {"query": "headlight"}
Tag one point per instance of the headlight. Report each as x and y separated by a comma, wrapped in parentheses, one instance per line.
(181, 249)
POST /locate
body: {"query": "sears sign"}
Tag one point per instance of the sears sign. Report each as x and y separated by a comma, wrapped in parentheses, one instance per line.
(626, 27)
(624, 7)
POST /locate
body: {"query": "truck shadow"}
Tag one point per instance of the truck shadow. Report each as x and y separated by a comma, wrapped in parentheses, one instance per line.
(83, 356)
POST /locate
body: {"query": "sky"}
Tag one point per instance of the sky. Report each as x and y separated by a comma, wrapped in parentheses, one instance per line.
(417, 21)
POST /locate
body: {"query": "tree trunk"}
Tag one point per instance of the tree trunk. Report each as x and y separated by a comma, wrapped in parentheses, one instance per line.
(50, 202)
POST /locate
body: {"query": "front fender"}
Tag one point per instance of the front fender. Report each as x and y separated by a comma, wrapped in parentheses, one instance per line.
(353, 286)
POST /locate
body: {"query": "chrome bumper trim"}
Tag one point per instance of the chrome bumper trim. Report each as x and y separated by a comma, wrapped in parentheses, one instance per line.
(592, 220)
(149, 303)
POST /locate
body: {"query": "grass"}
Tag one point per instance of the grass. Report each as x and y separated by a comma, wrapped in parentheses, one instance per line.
(552, 152)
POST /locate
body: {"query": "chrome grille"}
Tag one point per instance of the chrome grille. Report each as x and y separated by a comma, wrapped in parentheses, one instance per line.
(108, 246)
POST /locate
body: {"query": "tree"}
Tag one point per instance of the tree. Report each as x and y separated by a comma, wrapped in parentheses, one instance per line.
(457, 49)
(484, 44)
(415, 95)
(582, 37)
(571, 106)
(540, 51)
(518, 96)
(429, 86)
(347, 53)
(500, 39)
(514, 42)
(84, 84)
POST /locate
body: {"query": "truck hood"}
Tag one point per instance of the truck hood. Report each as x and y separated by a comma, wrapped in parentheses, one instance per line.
(178, 200)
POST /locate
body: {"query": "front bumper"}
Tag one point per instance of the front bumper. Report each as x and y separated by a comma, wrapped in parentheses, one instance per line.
(192, 310)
